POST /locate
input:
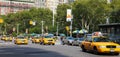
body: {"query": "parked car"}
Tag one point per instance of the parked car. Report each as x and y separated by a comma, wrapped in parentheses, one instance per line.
(77, 41)
(87, 35)
(67, 40)
(100, 44)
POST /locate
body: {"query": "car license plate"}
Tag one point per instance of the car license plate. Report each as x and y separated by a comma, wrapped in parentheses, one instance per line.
(112, 50)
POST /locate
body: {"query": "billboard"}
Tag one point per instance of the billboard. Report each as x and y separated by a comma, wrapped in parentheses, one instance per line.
(69, 15)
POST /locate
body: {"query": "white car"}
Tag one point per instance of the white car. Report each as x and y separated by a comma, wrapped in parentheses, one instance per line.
(67, 40)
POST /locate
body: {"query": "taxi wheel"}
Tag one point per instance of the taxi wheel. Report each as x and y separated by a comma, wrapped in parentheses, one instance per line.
(44, 44)
(95, 51)
(83, 48)
(53, 44)
(116, 54)
(41, 43)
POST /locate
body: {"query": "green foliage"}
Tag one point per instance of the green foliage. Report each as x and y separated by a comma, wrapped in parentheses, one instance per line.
(87, 14)
(14, 34)
(61, 16)
(23, 17)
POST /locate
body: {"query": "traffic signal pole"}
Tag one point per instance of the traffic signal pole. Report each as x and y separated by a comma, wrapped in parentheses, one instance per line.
(71, 27)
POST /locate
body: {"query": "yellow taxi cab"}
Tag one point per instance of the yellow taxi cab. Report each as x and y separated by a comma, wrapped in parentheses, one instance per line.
(47, 40)
(3, 37)
(21, 40)
(100, 44)
(36, 39)
(8, 38)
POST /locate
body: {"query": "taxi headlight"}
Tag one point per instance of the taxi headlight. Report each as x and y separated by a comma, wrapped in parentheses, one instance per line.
(102, 46)
(118, 46)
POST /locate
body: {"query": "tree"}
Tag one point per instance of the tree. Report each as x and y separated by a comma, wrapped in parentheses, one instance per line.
(23, 17)
(115, 18)
(87, 13)
(61, 16)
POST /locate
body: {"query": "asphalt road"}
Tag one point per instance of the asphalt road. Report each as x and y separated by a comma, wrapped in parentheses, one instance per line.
(9, 49)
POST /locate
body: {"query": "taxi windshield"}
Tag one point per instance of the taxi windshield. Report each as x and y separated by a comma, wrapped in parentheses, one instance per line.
(21, 37)
(37, 37)
(47, 36)
(7, 35)
(101, 40)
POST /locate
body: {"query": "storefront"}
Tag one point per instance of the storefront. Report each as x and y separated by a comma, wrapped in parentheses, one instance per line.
(113, 29)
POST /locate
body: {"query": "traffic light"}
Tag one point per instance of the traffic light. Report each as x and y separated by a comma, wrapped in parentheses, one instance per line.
(67, 28)
(1, 21)
(30, 22)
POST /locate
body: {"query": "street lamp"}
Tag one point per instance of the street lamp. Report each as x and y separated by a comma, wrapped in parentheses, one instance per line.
(53, 14)
(57, 28)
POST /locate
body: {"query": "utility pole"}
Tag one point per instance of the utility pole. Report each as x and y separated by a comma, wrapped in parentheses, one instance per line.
(17, 29)
(57, 28)
(42, 28)
(71, 26)
(71, 23)
(53, 14)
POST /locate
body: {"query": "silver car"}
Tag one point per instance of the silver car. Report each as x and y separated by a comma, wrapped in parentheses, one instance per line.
(77, 41)
(67, 40)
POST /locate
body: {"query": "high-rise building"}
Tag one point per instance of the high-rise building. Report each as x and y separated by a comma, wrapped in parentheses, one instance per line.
(51, 4)
(12, 6)
(8, 6)
(40, 3)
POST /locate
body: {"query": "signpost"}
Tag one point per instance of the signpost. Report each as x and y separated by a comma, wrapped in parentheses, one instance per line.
(69, 19)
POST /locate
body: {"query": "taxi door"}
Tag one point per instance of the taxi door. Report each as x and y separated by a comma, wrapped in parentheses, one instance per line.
(87, 43)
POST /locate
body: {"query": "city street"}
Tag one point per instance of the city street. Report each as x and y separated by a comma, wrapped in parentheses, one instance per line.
(61, 28)
(9, 49)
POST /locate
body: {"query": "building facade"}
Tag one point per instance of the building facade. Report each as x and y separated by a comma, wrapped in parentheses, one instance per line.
(51, 4)
(7, 6)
